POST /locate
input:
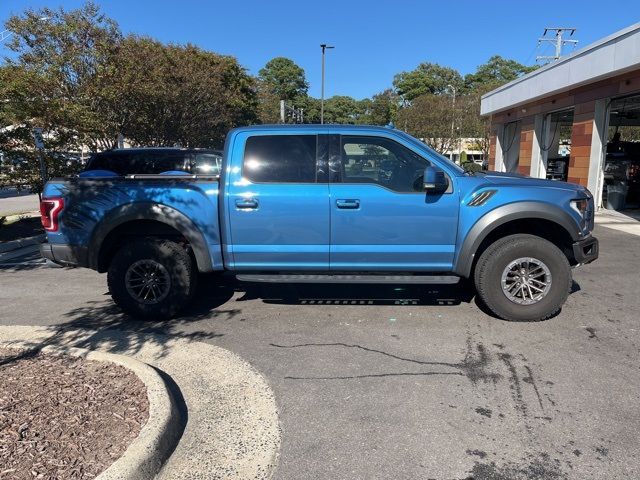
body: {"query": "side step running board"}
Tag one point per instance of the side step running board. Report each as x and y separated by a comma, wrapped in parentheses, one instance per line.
(294, 278)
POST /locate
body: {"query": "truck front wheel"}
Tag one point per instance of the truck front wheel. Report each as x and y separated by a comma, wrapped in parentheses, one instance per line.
(152, 278)
(523, 278)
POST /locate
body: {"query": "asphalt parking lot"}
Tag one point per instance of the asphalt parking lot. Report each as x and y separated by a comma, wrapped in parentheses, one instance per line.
(409, 382)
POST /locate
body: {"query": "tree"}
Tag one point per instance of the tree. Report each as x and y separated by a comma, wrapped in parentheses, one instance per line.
(80, 80)
(343, 109)
(282, 77)
(268, 109)
(48, 85)
(496, 72)
(381, 109)
(429, 117)
(472, 125)
(310, 107)
(178, 94)
(490, 75)
(427, 78)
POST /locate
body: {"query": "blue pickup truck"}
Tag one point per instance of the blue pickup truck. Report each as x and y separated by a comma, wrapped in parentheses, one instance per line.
(325, 204)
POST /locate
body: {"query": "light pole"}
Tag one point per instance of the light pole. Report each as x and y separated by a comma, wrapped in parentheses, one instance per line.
(323, 46)
(453, 121)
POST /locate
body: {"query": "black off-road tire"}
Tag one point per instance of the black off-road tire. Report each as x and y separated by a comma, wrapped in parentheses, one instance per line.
(179, 265)
(493, 261)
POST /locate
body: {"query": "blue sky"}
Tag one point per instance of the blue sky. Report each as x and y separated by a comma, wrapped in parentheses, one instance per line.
(374, 40)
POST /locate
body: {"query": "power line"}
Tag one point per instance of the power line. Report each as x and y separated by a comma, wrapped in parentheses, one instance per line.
(558, 41)
(5, 34)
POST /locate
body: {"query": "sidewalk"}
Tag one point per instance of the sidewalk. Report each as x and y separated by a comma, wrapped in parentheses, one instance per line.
(12, 203)
(627, 221)
(230, 412)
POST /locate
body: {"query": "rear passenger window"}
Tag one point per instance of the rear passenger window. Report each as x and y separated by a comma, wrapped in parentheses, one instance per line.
(140, 162)
(208, 164)
(280, 159)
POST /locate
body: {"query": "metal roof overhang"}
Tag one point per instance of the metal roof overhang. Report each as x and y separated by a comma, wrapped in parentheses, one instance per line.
(613, 55)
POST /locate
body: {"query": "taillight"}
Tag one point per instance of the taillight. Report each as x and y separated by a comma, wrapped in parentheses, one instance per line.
(49, 211)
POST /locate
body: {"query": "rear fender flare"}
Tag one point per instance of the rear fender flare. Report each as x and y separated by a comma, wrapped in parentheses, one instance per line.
(151, 211)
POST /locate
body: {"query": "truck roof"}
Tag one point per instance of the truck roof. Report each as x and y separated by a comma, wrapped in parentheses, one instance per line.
(315, 127)
(159, 149)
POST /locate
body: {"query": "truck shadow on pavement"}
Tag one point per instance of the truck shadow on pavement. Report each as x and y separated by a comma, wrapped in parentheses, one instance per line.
(83, 326)
(88, 326)
(356, 294)
(367, 294)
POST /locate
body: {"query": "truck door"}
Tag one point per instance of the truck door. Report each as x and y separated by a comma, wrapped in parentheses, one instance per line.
(381, 218)
(277, 204)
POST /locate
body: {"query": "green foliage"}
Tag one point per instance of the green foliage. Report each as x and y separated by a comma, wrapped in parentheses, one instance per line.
(282, 77)
(496, 72)
(463, 157)
(176, 94)
(471, 166)
(343, 109)
(80, 80)
(427, 78)
(429, 117)
(382, 108)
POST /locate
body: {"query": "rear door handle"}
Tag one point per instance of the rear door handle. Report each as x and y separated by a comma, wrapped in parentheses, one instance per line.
(351, 203)
(246, 203)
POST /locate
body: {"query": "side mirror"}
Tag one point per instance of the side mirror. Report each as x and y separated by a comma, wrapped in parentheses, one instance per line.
(435, 181)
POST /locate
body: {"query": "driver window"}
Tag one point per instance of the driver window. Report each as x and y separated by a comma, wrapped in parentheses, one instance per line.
(382, 162)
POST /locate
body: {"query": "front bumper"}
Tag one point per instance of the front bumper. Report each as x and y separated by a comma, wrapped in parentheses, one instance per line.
(67, 255)
(586, 250)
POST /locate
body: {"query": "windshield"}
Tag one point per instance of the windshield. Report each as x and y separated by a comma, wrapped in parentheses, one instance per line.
(424, 146)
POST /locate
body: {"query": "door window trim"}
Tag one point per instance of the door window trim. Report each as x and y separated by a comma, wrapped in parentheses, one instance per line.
(335, 165)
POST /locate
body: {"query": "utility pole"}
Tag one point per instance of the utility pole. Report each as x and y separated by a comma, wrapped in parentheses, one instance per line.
(39, 142)
(558, 41)
(323, 46)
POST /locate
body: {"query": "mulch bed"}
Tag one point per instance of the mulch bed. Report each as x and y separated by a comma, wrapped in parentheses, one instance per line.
(62, 417)
(24, 227)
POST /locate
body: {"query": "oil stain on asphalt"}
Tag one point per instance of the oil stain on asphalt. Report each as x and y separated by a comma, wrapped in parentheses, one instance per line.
(481, 366)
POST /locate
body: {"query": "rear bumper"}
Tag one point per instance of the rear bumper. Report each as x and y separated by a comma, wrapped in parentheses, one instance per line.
(586, 250)
(67, 255)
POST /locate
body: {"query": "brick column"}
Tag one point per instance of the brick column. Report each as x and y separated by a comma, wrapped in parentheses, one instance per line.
(581, 143)
(526, 145)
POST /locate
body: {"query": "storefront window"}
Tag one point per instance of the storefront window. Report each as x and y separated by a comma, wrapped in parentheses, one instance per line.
(621, 189)
(556, 145)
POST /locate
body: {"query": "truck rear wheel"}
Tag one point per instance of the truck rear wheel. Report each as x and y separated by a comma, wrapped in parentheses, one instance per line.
(152, 278)
(523, 278)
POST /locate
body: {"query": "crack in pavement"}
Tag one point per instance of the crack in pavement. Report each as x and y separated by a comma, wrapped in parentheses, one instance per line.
(474, 365)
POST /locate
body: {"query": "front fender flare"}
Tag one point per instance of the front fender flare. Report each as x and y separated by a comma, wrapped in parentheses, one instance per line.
(507, 213)
(150, 211)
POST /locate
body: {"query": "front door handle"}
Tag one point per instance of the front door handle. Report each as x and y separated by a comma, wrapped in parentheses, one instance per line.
(246, 203)
(351, 203)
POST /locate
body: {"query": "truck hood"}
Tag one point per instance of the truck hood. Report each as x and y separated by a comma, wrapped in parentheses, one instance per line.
(518, 180)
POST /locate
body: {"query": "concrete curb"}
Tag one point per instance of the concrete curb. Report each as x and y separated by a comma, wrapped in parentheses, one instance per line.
(22, 242)
(230, 414)
(144, 457)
